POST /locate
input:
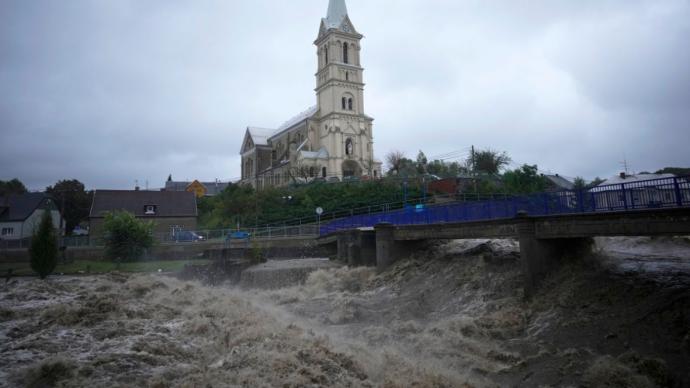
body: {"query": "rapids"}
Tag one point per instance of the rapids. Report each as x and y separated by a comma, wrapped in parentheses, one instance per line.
(453, 316)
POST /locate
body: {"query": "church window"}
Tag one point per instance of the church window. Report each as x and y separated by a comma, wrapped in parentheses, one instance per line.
(347, 76)
(349, 104)
(325, 54)
(345, 58)
(344, 103)
(311, 172)
(323, 172)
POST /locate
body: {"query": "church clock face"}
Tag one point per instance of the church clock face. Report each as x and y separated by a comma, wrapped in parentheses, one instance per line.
(346, 28)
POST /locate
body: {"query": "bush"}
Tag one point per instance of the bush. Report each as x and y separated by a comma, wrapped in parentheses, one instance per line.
(44, 247)
(126, 238)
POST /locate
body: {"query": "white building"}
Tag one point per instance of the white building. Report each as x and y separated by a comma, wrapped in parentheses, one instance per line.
(331, 140)
(627, 191)
(20, 214)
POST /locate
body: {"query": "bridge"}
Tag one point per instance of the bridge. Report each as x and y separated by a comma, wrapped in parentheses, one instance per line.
(549, 226)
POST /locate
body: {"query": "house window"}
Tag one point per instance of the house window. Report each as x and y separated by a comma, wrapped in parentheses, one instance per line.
(7, 231)
(150, 210)
(345, 57)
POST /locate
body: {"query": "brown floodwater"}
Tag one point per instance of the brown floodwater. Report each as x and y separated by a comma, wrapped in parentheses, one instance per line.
(452, 316)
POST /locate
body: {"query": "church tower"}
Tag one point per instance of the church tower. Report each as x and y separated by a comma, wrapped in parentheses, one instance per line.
(331, 141)
(345, 131)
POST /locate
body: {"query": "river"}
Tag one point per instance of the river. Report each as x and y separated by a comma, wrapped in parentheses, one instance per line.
(453, 316)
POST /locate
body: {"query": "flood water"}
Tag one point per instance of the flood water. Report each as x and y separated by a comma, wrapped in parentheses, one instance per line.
(453, 316)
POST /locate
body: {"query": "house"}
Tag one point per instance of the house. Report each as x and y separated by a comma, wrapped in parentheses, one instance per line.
(642, 190)
(201, 189)
(20, 214)
(169, 210)
(557, 183)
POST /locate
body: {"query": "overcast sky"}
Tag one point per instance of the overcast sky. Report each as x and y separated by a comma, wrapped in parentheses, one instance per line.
(113, 91)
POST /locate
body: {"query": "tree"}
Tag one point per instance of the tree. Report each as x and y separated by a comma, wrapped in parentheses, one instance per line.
(393, 160)
(14, 186)
(43, 250)
(579, 183)
(679, 171)
(488, 161)
(596, 182)
(524, 180)
(126, 238)
(421, 162)
(73, 200)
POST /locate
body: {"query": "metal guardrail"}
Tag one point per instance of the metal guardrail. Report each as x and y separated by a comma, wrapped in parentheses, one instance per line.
(650, 194)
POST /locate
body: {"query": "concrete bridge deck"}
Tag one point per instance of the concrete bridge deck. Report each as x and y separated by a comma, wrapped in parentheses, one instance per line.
(544, 240)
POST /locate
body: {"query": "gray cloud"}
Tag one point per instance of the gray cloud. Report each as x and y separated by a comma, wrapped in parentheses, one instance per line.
(112, 91)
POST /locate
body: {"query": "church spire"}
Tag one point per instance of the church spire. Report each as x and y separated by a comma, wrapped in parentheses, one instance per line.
(337, 12)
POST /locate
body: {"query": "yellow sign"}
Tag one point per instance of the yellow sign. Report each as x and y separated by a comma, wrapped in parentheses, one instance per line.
(197, 188)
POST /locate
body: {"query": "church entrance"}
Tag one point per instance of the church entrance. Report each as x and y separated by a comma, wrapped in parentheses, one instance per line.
(351, 169)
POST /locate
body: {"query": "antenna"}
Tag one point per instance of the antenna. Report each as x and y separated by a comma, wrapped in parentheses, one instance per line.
(625, 165)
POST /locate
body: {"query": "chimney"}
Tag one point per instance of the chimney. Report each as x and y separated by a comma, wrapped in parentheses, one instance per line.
(623, 176)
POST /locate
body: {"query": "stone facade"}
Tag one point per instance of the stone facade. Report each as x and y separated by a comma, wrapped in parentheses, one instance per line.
(330, 141)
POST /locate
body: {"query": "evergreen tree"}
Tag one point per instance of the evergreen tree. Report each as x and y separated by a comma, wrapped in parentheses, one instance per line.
(44, 250)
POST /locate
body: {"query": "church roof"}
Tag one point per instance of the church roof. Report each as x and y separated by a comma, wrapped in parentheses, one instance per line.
(337, 12)
(260, 136)
(297, 119)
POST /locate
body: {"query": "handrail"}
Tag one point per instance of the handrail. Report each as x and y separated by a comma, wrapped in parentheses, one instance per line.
(649, 194)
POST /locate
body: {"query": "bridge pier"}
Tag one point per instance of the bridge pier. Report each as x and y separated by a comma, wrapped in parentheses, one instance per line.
(357, 247)
(389, 250)
(539, 257)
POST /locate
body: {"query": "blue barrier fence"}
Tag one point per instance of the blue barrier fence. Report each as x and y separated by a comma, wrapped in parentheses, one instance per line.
(640, 195)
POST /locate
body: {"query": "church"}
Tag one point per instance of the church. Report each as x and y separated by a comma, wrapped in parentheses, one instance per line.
(330, 141)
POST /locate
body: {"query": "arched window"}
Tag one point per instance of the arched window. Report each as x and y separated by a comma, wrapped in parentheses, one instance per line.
(345, 58)
(349, 104)
(344, 103)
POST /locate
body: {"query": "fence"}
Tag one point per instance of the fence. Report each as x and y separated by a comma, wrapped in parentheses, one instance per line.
(650, 194)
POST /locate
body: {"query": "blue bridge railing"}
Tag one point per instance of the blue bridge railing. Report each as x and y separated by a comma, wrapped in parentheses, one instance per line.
(639, 195)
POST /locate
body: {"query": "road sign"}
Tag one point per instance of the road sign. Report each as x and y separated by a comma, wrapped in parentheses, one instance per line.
(319, 211)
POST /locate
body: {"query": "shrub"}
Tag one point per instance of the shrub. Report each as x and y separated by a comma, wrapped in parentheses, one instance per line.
(126, 238)
(256, 254)
(44, 249)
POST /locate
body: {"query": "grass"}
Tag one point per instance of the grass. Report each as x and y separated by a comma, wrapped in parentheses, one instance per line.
(97, 267)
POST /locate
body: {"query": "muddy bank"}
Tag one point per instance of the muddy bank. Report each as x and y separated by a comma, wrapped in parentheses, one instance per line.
(452, 316)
